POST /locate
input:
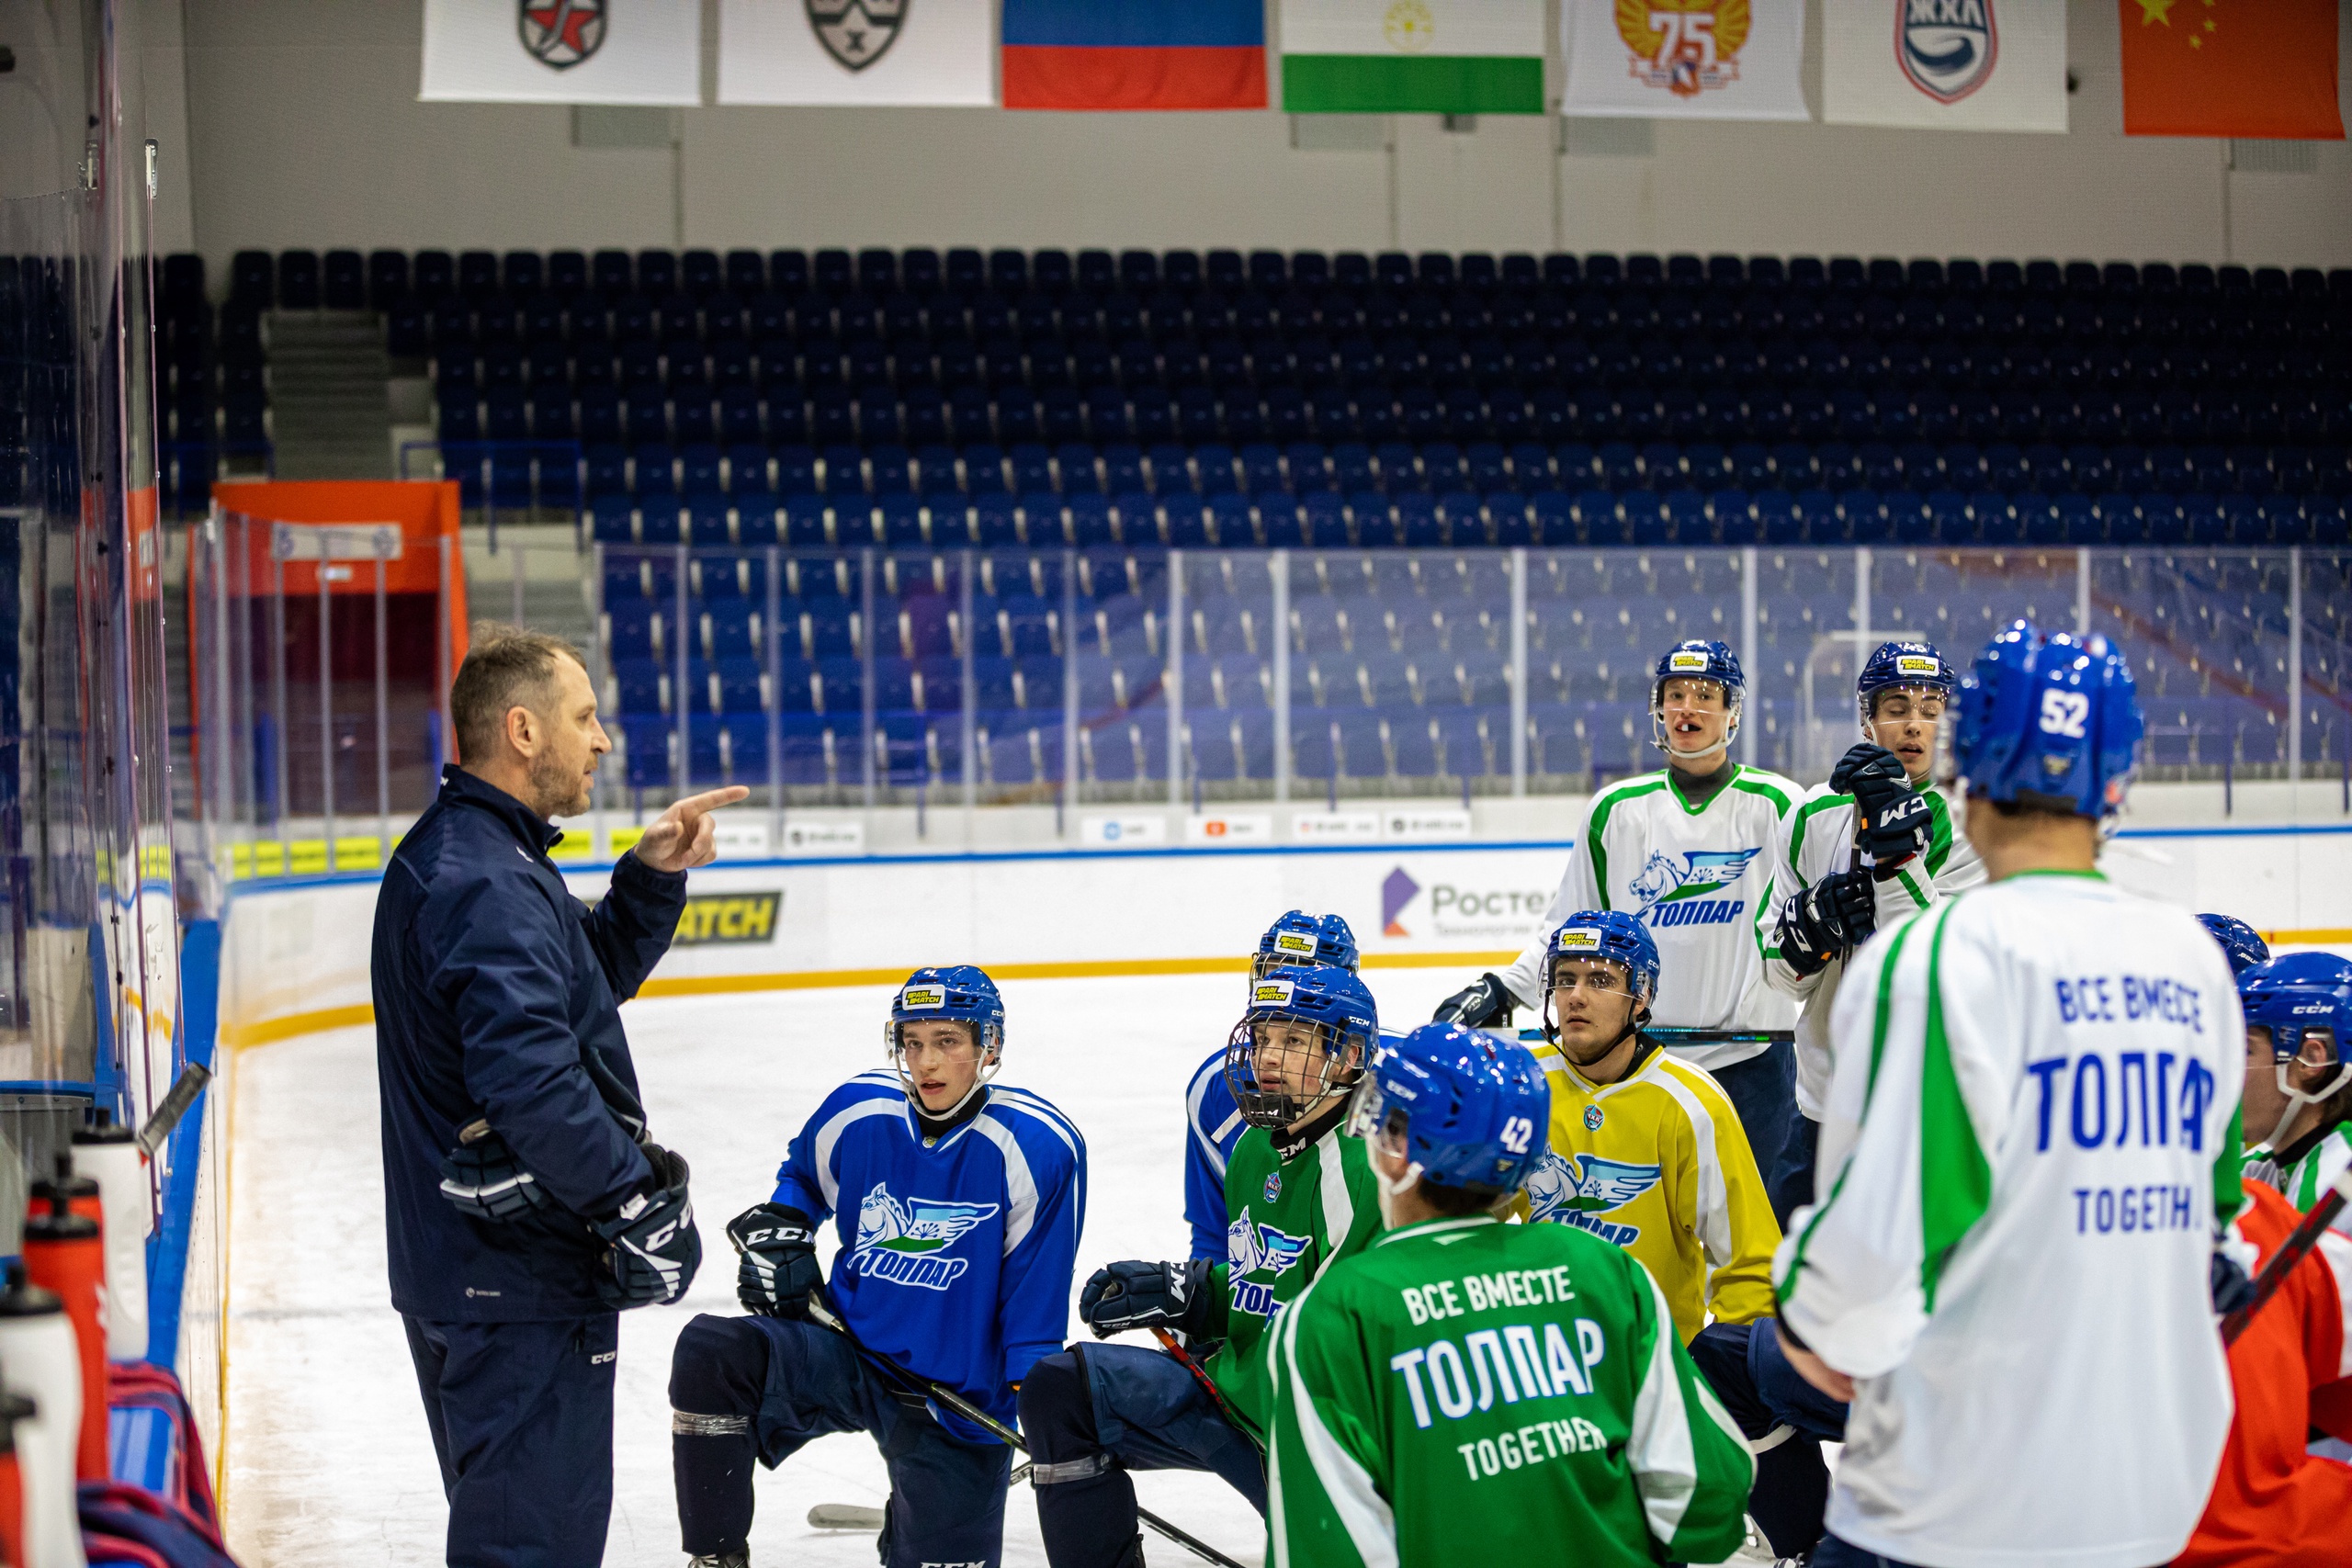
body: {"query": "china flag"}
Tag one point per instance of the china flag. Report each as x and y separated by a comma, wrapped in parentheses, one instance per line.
(2243, 68)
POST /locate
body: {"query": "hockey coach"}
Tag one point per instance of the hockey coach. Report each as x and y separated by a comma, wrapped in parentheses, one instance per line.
(525, 1205)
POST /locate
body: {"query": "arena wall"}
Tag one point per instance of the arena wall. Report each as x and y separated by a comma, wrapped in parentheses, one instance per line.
(304, 131)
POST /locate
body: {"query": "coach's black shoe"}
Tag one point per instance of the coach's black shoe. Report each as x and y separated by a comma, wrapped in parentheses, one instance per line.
(726, 1559)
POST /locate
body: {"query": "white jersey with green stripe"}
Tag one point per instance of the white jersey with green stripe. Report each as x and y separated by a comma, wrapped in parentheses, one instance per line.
(2033, 1130)
(1697, 876)
(2304, 1170)
(1816, 840)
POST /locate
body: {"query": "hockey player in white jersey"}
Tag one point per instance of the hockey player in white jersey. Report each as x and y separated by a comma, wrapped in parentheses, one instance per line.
(2298, 1082)
(2032, 1124)
(1872, 845)
(1689, 852)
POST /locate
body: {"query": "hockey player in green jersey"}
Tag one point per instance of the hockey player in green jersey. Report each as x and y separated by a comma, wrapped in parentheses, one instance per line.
(1466, 1391)
(2298, 1081)
(1298, 1196)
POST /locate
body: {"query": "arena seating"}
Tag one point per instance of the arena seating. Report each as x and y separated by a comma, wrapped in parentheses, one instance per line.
(920, 398)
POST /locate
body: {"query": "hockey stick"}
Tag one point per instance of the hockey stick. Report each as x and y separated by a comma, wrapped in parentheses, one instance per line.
(821, 1313)
(2291, 1251)
(1169, 1343)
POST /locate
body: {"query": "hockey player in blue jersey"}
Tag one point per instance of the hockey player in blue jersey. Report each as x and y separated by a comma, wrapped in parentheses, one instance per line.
(958, 1202)
(1213, 1121)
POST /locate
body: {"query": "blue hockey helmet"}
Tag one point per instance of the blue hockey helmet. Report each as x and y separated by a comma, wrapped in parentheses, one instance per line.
(1467, 1109)
(2049, 722)
(1697, 660)
(2292, 997)
(1901, 666)
(2240, 942)
(1610, 934)
(960, 993)
(1299, 939)
(1279, 1075)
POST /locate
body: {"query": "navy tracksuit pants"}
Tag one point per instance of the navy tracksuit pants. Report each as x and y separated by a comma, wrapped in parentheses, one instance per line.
(522, 1420)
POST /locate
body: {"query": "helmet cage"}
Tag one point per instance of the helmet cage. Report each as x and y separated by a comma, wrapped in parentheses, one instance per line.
(1265, 1099)
(1635, 1017)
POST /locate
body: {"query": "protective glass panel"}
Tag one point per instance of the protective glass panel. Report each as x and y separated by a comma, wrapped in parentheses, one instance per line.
(2207, 635)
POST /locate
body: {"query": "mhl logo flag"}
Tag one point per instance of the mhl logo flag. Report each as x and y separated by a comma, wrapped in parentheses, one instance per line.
(1412, 56)
(1945, 64)
(1684, 59)
(1135, 54)
(857, 51)
(2254, 69)
(562, 52)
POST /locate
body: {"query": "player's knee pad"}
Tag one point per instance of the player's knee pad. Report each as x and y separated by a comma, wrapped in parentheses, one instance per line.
(719, 1367)
(1057, 1409)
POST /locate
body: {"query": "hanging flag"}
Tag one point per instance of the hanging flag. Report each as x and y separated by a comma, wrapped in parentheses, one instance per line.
(562, 52)
(1945, 64)
(1412, 56)
(1135, 54)
(1684, 59)
(2242, 68)
(855, 51)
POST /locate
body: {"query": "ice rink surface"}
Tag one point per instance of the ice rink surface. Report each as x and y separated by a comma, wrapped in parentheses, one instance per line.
(328, 1462)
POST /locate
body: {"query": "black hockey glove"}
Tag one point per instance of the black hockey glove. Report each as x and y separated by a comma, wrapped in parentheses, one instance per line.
(1826, 920)
(1148, 1296)
(484, 1180)
(778, 1267)
(1484, 1005)
(1892, 823)
(651, 1247)
(2225, 1277)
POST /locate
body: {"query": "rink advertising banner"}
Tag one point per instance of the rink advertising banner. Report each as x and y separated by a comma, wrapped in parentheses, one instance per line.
(2254, 69)
(857, 51)
(562, 52)
(1412, 56)
(1945, 64)
(1684, 59)
(1135, 54)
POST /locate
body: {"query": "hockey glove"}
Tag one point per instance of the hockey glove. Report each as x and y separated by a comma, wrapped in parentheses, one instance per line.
(651, 1248)
(1892, 823)
(778, 1267)
(1826, 920)
(1148, 1296)
(1484, 1005)
(484, 1180)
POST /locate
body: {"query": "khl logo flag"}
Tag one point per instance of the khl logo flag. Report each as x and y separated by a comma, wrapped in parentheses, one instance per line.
(1684, 59)
(855, 51)
(1945, 64)
(562, 52)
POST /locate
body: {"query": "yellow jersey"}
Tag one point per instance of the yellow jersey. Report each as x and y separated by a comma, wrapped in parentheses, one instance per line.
(1657, 1163)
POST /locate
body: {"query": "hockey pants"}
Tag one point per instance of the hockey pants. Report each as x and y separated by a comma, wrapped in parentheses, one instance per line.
(522, 1420)
(1745, 1366)
(756, 1388)
(1789, 1179)
(1094, 1412)
(1763, 1089)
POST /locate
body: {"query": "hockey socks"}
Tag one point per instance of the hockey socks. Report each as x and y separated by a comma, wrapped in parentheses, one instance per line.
(1086, 1505)
(716, 1375)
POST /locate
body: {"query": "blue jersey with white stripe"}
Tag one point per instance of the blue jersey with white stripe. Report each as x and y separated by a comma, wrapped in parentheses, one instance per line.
(956, 1255)
(1214, 1126)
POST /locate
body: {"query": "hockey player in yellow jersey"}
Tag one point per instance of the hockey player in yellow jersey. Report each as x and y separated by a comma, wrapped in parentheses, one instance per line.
(1647, 1151)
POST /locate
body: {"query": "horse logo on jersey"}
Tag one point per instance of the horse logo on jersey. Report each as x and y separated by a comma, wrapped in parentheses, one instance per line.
(1251, 1250)
(1579, 1194)
(899, 1242)
(1705, 873)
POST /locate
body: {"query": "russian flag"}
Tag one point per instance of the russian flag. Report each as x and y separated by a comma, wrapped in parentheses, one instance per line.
(1135, 54)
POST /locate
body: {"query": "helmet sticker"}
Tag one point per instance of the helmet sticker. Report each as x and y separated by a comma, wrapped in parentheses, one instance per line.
(1918, 664)
(1270, 993)
(1579, 939)
(1292, 941)
(923, 997)
(1689, 658)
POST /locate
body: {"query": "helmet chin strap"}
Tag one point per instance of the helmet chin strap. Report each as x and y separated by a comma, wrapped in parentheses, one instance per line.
(988, 1065)
(1392, 1191)
(2297, 1099)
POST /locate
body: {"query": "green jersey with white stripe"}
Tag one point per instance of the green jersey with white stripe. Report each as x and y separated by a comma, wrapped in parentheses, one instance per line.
(1471, 1392)
(1290, 1215)
(2306, 1168)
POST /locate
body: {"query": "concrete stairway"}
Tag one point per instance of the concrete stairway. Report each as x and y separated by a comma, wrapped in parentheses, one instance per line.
(329, 415)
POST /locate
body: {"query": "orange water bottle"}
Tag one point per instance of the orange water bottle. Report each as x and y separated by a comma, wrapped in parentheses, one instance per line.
(64, 1253)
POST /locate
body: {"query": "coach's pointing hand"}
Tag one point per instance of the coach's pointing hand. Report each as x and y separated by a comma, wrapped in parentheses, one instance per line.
(684, 837)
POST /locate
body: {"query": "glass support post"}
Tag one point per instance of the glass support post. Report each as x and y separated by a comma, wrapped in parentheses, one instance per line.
(2295, 667)
(1069, 691)
(1518, 674)
(1280, 563)
(1747, 645)
(2082, 593)
(278, 706)
(383, 713)
(1172, 682)
(865, 666)
(326, 707)
(681, 701)
(772, 643)
(970, 705)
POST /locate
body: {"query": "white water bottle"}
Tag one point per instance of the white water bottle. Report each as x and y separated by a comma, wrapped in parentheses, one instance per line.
(110, 1156)
(38, 1361)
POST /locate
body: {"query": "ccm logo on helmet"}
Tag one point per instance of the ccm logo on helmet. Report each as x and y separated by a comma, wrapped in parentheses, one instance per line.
(923, 997)
(1267, 991)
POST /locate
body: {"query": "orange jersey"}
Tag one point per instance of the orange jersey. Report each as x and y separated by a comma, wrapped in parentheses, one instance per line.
(2274, 1502)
